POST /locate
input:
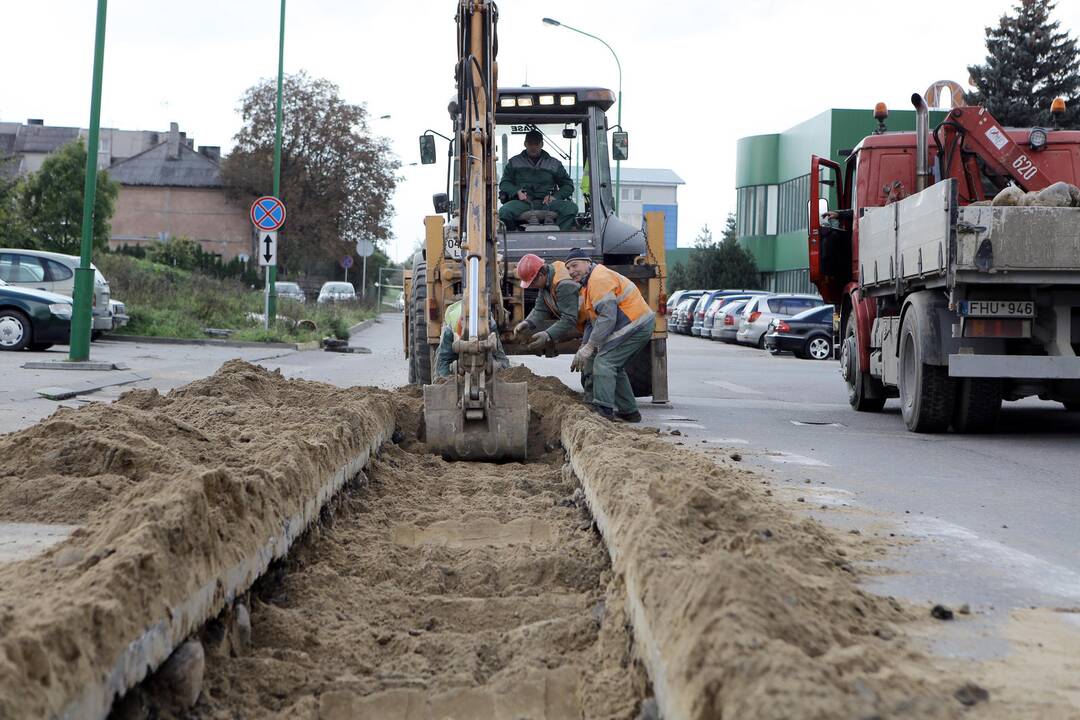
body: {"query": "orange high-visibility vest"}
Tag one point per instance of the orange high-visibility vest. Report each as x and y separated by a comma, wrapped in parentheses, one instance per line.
(604, 282)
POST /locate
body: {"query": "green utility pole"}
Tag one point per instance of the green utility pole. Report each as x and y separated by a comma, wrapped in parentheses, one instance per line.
(618, 121)
(81, 318)
(271, 272)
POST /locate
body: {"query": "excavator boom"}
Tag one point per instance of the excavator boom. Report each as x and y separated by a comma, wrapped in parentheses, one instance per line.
(474, 416)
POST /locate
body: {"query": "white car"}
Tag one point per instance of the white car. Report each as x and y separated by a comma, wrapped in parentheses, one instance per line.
(335, 292)
(761, 311)
(55, 273)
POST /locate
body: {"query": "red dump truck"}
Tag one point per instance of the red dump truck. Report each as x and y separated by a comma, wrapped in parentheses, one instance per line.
(954, 258)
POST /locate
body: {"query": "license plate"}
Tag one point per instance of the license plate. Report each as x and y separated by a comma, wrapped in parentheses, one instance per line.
(998, 308)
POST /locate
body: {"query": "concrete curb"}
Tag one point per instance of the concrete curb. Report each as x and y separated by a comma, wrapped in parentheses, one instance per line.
(157, 641)
(362, 325)
(212, 342)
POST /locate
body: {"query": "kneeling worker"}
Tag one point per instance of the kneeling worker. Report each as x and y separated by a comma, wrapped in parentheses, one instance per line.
(452, 330)
(620, 323)
(556, 310)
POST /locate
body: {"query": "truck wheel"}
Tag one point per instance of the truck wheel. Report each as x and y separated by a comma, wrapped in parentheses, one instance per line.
(865, 393)
(419, 354)
(978, 405)
(927, 393)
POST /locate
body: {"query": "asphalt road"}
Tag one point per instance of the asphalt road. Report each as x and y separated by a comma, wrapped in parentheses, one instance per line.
(991, 521)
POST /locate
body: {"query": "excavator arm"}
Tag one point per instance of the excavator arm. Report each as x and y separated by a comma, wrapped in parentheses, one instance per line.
(475, 416)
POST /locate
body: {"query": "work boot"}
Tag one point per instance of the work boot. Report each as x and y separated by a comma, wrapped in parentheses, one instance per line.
(603, 411)
(629, 417)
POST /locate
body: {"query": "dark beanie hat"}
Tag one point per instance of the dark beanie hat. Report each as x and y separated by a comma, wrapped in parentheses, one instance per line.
(577, 254)
(534, 136)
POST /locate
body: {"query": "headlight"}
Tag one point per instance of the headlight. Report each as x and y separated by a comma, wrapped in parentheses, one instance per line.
(1037, 138)
(62, 310)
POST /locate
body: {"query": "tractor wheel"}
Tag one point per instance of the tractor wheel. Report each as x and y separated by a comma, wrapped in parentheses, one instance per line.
(419, 355)
(639, 370)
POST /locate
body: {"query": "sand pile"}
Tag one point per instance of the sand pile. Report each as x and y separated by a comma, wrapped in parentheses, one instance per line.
(756, 613)
(171, 492)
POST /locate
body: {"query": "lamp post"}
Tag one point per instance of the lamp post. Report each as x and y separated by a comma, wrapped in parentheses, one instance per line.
(618, 121)
(82, 312)
(271, 272)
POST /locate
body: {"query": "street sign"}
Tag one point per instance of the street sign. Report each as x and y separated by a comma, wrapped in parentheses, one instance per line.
(268, 214)
(365, 248)
(346, 262)
(267, 249)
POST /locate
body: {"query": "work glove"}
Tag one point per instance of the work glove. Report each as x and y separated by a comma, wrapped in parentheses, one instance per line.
(584, 353)
(521, 327)
(539, 340)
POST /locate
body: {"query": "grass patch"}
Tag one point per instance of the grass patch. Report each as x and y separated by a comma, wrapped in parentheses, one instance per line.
(163, 301)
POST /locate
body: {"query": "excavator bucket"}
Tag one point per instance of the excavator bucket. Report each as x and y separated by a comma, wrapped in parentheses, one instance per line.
(502, 434)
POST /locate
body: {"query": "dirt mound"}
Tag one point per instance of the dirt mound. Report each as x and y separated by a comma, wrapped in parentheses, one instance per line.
(756, 612)
(190, 480)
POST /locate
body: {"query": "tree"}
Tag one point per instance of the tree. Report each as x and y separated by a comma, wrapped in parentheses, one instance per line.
(336, 179)
(12, 228)
(50, 202)
(1028, 63)
(717, 265)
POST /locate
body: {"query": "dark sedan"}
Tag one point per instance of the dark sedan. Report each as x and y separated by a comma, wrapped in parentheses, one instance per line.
(808, 334)
(682, 319)
(33, 319)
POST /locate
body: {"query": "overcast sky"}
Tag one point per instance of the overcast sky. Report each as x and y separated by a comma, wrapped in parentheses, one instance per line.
(697, 74)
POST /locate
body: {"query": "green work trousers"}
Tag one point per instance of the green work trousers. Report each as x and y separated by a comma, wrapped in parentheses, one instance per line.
(604, 378)
(565, 209)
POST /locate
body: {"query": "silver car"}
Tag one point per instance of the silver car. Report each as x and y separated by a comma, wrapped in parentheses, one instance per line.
(290, 291)
(761, 311)
(335, 292)
(55, 273)
(728, 316)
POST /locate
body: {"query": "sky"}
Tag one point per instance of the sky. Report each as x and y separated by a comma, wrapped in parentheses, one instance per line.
(697, 74)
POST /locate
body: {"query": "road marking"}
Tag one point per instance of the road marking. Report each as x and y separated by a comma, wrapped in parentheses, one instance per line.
(733, 387)
(696, 426)
(793, 459)
(812, 423)
(1025, 568)
(727, 441)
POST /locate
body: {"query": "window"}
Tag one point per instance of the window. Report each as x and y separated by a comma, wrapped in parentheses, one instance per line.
(791, 306)
(21, 268)
(629, 193)
(755, 212)
(59, 272)
(794, 194)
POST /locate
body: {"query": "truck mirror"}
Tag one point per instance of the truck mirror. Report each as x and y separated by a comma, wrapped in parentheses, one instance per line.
(823, 207)
(427, 149)
(569, 133)
(620, 145)
(441, 203)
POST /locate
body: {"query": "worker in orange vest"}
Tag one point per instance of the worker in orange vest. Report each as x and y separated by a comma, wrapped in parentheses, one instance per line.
(556, 312)
(619, 324)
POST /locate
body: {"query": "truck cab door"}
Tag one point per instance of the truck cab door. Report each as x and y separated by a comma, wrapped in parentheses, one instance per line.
(830, 244)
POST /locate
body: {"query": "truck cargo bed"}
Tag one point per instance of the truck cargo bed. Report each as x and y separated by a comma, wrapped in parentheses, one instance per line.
(928, 240)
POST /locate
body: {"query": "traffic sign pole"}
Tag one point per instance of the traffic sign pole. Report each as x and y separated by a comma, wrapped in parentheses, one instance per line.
(271, 272)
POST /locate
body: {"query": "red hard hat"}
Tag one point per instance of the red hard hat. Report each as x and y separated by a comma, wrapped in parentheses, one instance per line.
(527, 268)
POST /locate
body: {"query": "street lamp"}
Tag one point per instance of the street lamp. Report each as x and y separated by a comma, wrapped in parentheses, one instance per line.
(618, 163)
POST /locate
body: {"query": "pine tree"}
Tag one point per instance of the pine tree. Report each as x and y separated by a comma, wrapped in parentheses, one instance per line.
(723, 265)
(1028, 63)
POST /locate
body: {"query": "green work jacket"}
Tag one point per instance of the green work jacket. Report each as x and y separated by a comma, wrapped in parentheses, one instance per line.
(546, 176)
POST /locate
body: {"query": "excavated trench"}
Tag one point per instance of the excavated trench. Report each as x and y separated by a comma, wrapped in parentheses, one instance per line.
(431, 589)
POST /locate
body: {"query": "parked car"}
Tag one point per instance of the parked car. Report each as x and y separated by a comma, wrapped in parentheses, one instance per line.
(291, 291)
(34, 319)
(678, 298)
(808, 334)
(760, 311)
(119, 314)
(707, 301)
(682, 319)
(727, 317)
(335, 292)
(711, 314)
(55, 273)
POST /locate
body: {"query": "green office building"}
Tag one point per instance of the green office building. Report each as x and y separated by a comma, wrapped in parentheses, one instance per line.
(772, 184)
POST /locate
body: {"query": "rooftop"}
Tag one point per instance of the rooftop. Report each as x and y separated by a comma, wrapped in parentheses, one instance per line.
(154, 168)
